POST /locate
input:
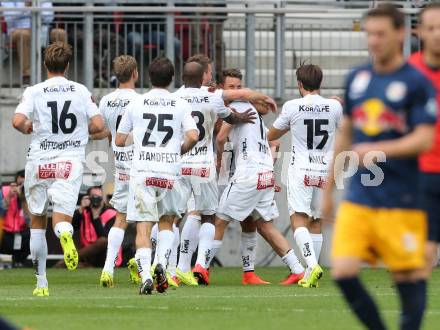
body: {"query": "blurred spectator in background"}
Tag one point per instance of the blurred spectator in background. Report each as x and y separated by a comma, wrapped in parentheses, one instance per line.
(93, 220)
(19, 31)
(16, 234)
(207, 36)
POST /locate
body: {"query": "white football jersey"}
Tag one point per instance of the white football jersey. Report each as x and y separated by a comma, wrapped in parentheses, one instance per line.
(158, 120)
(313, 121)
(205, 108)
(251, 151)
(112, 108)
(59, 109)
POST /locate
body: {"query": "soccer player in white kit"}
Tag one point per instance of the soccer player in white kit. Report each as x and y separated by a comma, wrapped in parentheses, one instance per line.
(160, 122)
(198, 168)
(112, 108)
(250, 191)
(56, 112)
(312, 121)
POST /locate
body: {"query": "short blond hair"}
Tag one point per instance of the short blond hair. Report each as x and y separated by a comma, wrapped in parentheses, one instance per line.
(124, 66)
(57, 57)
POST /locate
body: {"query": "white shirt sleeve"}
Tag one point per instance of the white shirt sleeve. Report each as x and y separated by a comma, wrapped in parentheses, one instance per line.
(91, 108)
(126, 124)
(219, 106)
(26, 105)
(188, 122)
(283, 120)
(102, 111)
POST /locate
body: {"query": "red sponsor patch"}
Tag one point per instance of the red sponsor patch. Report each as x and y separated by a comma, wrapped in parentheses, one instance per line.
(124, 177)
(265, 180)
(159, 183)
(201, 172)
(60, 170)
(314, 181)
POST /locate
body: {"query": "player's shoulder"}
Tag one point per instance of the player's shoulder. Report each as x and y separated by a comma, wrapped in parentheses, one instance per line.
(414, 76)
(362, 70)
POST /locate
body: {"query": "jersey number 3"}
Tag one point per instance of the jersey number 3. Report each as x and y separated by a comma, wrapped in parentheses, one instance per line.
(314, 128)
(62, 122)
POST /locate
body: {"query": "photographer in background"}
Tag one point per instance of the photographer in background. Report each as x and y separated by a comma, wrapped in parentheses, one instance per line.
(16, 235)
(93, 219)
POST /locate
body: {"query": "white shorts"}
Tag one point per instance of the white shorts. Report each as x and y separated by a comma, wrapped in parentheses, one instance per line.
(242, 199)
(203, 191)
(302, 198)
(57, 181)
(151, 198)
(120, 194)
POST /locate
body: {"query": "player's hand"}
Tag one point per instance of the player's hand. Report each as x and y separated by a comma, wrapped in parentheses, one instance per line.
(28, 126)
(85, 202)
(339, 99)
(248, 116)
(362, 149)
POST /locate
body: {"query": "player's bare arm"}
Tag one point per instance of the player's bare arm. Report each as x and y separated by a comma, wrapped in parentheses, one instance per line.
(221, 139)
(263, 103)
(101, 135)
(96, 124)
(22, 123)
(410, 145)
(190, 140)
(343, 142)
(241, 118)
(121, 139)
(275, 133)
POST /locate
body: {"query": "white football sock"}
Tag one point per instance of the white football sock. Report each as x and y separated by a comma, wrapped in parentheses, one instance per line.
(115, 238)
(216, 245)
(38, 247)
(305, 244)
(248, 251)
(153, 239)
(206, 236)
(143, 260)
(165, 239)
(188, 242)
(173, 257)
(62, 227)
(291, 261)
(317, 240)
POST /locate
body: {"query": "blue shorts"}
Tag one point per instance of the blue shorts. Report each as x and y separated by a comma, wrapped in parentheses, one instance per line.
(430, 200)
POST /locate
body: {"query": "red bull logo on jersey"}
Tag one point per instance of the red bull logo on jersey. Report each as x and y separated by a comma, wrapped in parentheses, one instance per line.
(60, 170)
(373, 117)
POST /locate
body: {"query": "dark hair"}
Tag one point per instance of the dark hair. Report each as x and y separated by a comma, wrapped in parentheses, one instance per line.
(432, 5)
(161, 72)
(93, 187)
(19, 174)
(124, 66)
(202, 59)
(231, 72)
(310, 76)
(57, 57)
(192, 74)
(390, 11)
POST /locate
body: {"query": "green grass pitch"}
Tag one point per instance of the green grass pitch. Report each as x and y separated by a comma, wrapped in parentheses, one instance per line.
(77, 302)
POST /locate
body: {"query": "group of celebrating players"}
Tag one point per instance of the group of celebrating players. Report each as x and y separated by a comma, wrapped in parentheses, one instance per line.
(170, 147)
